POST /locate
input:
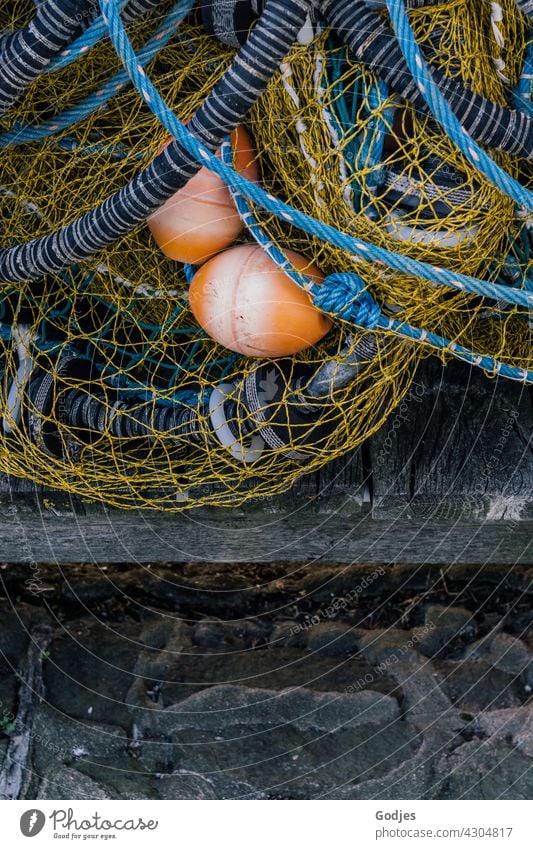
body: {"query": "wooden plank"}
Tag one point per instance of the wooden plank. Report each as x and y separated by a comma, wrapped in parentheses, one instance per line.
(339, 486)
(43, 498)
(451, 481)
(204, 535)
(459, 447)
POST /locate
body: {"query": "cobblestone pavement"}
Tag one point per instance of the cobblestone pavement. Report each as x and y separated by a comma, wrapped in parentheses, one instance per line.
(219, 682)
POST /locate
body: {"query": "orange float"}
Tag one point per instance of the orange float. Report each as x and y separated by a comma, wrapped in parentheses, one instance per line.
(248, 304)
(201, 219)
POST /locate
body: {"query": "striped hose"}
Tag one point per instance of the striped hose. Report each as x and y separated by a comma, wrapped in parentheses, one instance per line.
(90, 36)
(221, 112)
(27, 52)
(372, 42)
(135, 8)
(526, 7)
(231, 20)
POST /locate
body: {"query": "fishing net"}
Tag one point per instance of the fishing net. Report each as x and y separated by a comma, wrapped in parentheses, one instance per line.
(114, 336)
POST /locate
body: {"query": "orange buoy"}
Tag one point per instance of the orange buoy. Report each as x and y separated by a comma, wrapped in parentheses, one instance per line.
(248, 304)
(201, 219)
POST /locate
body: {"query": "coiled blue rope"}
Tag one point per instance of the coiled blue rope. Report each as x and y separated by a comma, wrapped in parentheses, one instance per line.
(346, 296)
(353, 246)
(442, 112)
(94, 33)
(109, 89)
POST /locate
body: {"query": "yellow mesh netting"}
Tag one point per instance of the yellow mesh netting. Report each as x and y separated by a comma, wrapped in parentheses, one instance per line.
(127, 309)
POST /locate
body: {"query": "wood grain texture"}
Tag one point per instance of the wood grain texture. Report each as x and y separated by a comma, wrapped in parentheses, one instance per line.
(220, 536)
(459, 447)
(448, 479)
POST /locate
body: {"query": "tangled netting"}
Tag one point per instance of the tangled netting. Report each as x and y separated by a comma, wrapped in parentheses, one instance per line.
(111, 391)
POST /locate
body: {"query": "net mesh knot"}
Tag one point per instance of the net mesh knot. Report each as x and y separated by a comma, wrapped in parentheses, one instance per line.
(345, 295)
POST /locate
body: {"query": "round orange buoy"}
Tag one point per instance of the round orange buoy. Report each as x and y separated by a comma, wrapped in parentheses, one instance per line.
(201, 219)
(249, 305)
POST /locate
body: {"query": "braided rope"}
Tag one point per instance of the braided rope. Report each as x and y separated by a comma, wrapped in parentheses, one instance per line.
(106, 92)
(27, 52)
(353, 246)
(371, 42)
(441, 110)
(338, 300)
(526, 7)
(346, 296)
(225, 108)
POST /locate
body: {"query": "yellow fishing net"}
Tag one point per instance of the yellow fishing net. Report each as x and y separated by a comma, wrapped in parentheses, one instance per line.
(127, 309)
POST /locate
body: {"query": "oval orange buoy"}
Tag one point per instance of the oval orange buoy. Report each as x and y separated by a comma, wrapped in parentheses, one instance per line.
(201, 219)
(249, 305)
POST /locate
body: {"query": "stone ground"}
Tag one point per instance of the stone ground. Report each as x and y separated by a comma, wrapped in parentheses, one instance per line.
(270, 682)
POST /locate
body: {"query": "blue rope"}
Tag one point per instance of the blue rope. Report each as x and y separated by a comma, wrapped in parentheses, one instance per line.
(364, 150)
(442, 112)
(116, 151)
(88, 39)
(522, 94)
(355, 247)
(108, 90)
(345, 295)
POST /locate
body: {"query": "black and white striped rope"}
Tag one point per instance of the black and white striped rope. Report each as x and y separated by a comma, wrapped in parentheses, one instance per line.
(243, 416)
(526, 7)
(372, 42)
(231, 20)
(133, 10)
(137, 8)
(224, 108)
(27, 52)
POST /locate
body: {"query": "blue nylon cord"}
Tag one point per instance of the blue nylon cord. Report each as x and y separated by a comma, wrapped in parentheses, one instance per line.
(108, 90)
(254, 192)
(346, 296)
(442, 112)
(363, 311)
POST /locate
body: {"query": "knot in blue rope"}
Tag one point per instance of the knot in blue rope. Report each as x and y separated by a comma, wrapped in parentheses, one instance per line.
(344, 294)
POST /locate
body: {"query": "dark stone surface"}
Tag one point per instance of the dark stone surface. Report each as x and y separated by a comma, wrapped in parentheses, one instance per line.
(149, 695)
(445, 627)
(479, 771)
